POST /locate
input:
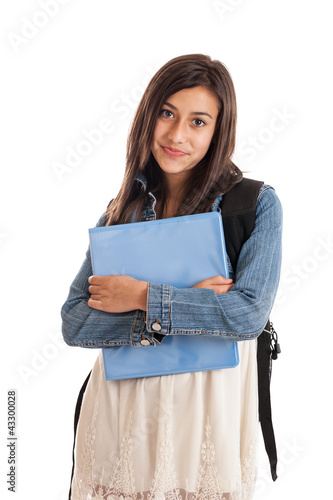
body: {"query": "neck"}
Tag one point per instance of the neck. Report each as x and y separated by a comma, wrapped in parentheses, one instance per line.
(175, 187)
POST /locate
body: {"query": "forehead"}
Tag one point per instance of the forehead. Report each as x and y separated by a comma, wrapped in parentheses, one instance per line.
(195, 99)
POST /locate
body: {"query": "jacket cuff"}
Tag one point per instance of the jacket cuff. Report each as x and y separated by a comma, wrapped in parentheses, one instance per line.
(158, 308)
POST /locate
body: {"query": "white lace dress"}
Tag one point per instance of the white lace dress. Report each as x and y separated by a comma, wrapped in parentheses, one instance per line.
(189, 436)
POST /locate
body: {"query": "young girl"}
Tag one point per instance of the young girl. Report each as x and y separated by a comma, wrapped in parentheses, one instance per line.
(192, 435)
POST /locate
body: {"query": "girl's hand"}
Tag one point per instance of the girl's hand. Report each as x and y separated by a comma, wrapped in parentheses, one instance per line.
(117, 293)
(218, 283)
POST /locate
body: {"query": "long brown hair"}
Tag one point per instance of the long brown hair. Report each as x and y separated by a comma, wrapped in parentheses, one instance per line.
(214, 174)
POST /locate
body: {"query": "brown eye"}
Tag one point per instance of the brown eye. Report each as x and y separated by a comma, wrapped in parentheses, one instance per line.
(166, 113)
(198, 123)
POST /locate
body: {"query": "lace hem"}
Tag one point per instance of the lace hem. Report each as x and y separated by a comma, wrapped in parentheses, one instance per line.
(179, 494)
(88, 485)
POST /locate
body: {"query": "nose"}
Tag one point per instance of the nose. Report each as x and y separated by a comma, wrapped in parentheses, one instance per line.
(177, 133)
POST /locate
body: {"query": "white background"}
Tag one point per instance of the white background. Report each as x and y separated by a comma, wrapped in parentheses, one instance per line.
(65, 71)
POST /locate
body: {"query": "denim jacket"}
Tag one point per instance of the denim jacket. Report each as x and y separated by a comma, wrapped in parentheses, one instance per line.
(240, 314)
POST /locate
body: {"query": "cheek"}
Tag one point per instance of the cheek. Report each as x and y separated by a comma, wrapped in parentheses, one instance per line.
(159, 131)
(203, 143)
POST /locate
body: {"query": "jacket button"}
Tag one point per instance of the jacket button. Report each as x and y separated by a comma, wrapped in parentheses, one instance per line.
(156, 327)
(145, 342)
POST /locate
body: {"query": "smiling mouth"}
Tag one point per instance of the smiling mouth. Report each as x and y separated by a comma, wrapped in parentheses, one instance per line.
(173, 152)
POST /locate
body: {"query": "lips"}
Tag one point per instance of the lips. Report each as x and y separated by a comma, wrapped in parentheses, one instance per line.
(173, 152)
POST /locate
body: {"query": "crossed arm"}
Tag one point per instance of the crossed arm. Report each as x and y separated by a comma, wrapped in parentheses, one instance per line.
(117, 294)
(109, 311)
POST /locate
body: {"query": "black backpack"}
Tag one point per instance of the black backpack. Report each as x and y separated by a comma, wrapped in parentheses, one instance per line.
(238, 209)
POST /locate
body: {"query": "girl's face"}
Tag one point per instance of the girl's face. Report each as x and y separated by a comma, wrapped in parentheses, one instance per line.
(184, 130)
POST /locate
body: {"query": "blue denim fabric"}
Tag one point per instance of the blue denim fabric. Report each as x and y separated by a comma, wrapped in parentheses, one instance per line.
(240, 314)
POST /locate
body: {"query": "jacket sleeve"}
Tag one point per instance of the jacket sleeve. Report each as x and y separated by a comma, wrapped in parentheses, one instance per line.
(86, 327)
(241, 313)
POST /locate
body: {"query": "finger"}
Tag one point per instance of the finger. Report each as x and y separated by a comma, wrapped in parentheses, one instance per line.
(95, 280)
(96, 297)
(93, 289)
(95, 304)
(217, 281)
(208, 287)
(221, 279)
(222, 288)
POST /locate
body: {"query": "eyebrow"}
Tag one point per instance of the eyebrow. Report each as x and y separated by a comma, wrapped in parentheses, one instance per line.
(193, 113)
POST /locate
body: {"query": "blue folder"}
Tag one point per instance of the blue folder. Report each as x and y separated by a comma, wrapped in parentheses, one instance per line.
(179, 251)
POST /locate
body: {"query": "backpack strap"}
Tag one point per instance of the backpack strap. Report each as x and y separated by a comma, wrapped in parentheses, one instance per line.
(238, 210)
(76, 420)
(264, 363)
